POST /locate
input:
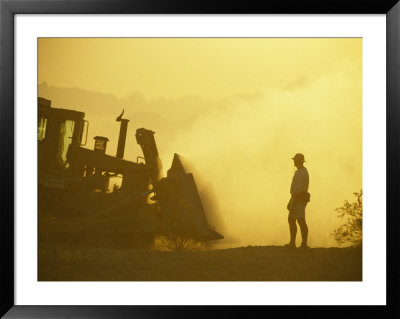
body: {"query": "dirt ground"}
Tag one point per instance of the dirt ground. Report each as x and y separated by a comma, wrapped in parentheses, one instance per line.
(251, 263)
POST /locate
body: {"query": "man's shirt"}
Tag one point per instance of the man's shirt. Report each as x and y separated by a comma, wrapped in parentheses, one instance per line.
(300, 181)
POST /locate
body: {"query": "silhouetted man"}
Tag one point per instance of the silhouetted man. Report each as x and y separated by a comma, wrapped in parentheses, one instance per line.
(298, 202)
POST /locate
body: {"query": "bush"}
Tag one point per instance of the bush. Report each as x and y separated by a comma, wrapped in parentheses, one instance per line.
(351, 231)
(179, 243)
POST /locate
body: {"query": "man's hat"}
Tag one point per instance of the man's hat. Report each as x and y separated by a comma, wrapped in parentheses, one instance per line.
(299, 157)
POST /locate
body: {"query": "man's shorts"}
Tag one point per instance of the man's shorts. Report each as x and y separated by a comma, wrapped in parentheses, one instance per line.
(298, 210)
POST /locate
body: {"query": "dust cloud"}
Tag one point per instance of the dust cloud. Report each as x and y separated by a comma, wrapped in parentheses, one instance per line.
(241, 157)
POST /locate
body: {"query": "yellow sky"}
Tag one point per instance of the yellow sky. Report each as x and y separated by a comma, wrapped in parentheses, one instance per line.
(170, 68)
(237, 109)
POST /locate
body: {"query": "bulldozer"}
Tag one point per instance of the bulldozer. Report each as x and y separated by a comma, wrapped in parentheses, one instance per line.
(78, 203)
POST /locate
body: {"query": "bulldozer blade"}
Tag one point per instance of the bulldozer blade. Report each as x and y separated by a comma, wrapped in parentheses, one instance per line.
(182, 205)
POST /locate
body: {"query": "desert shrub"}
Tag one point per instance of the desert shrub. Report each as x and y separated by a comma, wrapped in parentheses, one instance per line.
(176, 242)
(351, 231)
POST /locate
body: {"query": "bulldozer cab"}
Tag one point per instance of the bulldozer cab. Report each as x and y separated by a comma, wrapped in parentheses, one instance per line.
(59, 131)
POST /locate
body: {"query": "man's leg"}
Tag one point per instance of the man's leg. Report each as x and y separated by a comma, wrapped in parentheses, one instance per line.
(304, 230)
(293, 230)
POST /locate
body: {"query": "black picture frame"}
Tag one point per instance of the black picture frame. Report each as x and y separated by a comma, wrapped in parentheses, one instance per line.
(8, 10)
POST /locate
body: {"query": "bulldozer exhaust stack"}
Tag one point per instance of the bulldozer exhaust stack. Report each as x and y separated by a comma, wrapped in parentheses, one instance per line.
(122, 135)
